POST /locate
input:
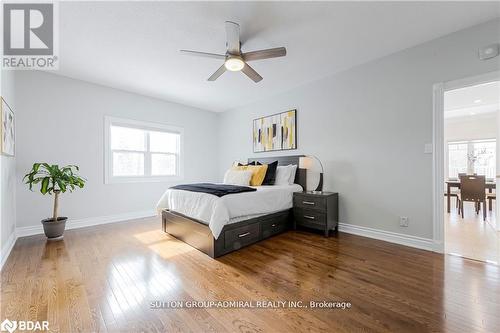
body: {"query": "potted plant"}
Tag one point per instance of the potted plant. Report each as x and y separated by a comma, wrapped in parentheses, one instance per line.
(54, 180)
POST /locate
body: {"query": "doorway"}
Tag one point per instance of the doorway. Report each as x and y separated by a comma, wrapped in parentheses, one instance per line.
(466, 155)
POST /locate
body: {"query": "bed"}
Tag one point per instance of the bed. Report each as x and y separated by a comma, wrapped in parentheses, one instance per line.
(216, 232)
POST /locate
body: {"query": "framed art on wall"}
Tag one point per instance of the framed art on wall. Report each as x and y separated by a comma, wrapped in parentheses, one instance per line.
(275, 132)
(7, 128)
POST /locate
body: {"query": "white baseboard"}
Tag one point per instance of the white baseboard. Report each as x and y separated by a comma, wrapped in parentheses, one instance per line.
(438, 247)
(7, 248)
(86, 222)
(388, 236)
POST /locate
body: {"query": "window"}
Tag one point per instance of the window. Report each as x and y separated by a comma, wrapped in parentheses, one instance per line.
(139, 151)
(484, 157)
(477, 156)
(457, 159)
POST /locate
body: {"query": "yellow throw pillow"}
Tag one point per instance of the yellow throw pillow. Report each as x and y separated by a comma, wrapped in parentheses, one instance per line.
(258, 173)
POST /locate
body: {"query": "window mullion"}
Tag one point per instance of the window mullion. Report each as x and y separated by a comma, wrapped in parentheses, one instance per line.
(110, 158)
(147, 156)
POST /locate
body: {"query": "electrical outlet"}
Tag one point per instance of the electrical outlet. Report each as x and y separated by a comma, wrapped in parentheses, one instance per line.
(403, 221)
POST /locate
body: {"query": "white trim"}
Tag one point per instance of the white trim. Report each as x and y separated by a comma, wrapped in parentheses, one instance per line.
(471, 81)
(438, 145)
(110, 179)
(438, 167)
(388, 236)
(7, 248)
(87, 222)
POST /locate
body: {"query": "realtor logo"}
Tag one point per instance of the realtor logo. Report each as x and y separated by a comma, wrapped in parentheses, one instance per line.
(29, 36)
(28, 29)
(8, 325)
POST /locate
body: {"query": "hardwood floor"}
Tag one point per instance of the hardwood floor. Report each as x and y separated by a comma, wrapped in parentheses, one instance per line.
(103, 279)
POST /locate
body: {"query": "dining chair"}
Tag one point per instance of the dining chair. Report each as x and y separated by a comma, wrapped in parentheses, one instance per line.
(489, 198)
(472, 189)
(454, 193)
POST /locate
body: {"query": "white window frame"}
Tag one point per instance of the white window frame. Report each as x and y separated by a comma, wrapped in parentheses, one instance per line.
(470, 148)
(143, 125)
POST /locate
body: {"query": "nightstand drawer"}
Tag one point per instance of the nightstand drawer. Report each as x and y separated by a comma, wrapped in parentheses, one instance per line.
(239, 237)
(309, 202)
(308, 217)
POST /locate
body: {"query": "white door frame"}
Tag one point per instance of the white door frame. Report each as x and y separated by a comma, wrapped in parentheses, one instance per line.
(438, 148)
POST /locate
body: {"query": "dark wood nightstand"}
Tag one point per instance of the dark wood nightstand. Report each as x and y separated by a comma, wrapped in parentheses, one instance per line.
(316, 210)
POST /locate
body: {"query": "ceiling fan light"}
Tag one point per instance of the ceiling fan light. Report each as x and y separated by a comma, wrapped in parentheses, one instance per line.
(234, 64)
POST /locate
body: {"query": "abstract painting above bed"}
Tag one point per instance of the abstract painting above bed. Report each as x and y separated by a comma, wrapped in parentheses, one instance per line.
(275, 132)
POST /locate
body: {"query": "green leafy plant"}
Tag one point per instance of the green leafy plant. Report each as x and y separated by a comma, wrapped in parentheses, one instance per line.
(54, 180)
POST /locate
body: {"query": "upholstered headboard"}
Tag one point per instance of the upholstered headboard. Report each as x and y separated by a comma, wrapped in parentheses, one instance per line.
(300, 175)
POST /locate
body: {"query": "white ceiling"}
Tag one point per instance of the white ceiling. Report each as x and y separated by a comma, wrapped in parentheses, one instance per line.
(476, 100)
(135, 46)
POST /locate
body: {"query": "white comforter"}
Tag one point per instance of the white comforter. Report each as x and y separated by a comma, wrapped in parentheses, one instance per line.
(218, 211)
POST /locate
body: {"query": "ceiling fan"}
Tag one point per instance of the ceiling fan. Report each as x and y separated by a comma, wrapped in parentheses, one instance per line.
(234, 59)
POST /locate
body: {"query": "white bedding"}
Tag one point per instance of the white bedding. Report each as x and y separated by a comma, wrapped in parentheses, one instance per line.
(219, 211)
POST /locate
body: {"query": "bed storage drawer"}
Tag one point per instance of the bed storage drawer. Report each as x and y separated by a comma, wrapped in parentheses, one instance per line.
(233, 236)
(275, 226)
(239, 237)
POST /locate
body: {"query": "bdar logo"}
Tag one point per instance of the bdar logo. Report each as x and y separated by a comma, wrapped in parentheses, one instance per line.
(8, 325)
(24, 325)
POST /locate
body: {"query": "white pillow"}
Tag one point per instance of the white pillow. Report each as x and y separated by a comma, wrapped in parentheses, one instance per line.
(285, 175)
(291, 180)
(238, 177)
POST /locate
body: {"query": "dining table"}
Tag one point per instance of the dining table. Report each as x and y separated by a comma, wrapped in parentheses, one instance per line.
(450, 183)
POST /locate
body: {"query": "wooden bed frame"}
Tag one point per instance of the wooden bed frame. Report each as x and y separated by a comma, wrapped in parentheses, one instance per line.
(235, 235)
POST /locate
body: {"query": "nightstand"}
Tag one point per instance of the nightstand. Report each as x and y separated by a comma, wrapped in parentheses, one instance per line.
(316, 210)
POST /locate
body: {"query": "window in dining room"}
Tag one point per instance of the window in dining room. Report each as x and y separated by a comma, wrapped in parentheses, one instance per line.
(457, 158)
(472, 157)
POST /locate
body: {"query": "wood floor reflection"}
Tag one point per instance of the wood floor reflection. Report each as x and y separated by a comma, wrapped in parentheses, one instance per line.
(103, 279)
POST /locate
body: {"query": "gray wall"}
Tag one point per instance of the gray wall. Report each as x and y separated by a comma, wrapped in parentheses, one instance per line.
(60, 121)
(7, 172)
(369, 125)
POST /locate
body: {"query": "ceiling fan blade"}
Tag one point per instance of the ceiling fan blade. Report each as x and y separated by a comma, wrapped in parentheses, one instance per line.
(264, 54)
(217, 73)
(251, 73)
(203, 54)
(233, 37)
